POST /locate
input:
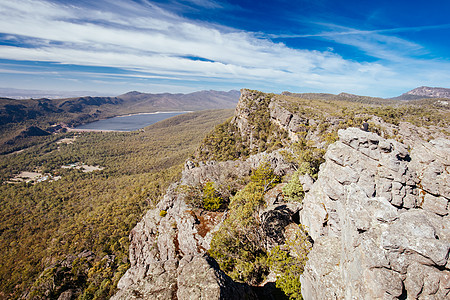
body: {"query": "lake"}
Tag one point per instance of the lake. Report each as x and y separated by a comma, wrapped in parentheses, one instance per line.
(129, 122)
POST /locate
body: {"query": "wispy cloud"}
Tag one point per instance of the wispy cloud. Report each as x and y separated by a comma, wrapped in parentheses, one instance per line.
(351, 31)
(206, 3)
(378, 43)
(148, 41)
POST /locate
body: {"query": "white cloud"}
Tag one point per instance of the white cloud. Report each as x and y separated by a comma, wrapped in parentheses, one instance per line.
(147, 40)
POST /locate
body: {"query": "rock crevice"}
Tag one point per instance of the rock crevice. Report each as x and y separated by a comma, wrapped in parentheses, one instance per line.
(378, 215)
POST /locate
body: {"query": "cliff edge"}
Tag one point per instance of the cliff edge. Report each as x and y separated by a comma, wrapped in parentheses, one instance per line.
(378, 215)
(376, 210)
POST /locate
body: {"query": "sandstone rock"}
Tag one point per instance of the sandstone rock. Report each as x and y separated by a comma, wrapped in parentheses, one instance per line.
(66, 295)
(201, 278)
(275, 195)
(280, 114)
(168, 253)
(221, 172)
(431, 162)
(307, 181)
(321, 278)
(438, 205)
(378, 217)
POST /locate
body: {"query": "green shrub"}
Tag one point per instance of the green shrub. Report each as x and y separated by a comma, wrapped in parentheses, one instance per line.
(211, 199)
(293, 190)
(308, 157)
(288, 272)
(193, 194)
(289, 263)
(264, 177)
(238, 246)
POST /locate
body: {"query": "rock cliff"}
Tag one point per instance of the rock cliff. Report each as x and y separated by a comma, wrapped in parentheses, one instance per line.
(377, 212)
(432, 92)
(168, 251)
(378, 215)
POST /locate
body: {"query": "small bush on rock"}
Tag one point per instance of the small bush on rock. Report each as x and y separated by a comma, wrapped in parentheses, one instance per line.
(293, 191)
(289, 263)
(211, 199)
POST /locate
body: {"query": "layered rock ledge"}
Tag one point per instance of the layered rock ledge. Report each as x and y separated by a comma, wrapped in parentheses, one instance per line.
(378, 215)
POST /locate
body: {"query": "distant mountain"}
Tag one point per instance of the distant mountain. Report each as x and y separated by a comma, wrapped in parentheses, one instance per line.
(193, 101)
(85, 109)
(71, 110)
(37, 94)
(425, 92)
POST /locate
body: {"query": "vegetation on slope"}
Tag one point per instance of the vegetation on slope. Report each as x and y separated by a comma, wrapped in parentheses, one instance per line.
(324, 115)
(226, 142)
(237, 245)
(420, 113)
(76, 228)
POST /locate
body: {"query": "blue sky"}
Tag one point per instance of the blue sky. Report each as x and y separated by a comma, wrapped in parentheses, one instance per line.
(375, 48)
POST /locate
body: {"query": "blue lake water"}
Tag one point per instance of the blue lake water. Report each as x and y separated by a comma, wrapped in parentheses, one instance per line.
(130, 122)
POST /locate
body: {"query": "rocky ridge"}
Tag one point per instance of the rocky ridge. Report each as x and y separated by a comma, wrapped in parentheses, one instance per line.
(168, 251)
(432, 92)
(378, 214)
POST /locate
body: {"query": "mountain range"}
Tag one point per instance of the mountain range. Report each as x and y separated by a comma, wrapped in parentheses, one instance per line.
(85, 109)
(69, 112)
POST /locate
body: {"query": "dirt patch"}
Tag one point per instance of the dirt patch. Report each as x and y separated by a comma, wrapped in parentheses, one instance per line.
(32, 177)
(207, 221)
(83, 167)
(87, 169)
(67, 140)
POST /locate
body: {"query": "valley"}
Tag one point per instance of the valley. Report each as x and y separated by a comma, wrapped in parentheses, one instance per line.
(22, 121)
(246, 195)
(65, 227)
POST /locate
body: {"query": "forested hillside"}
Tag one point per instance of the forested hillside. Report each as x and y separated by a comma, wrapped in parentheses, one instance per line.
(17, 116)
(238, 201)
(299, 187)
(69, 232)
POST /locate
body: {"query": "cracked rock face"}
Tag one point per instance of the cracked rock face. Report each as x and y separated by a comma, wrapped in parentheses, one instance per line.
(168, 252)
(168, 257)
(378, 215)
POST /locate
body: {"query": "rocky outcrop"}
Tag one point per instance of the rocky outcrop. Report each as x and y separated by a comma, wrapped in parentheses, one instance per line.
(168, 251)
(432, 92)
(378, 215)
(291, 123)
(251, 110)
(168, 257)
(256, 110)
